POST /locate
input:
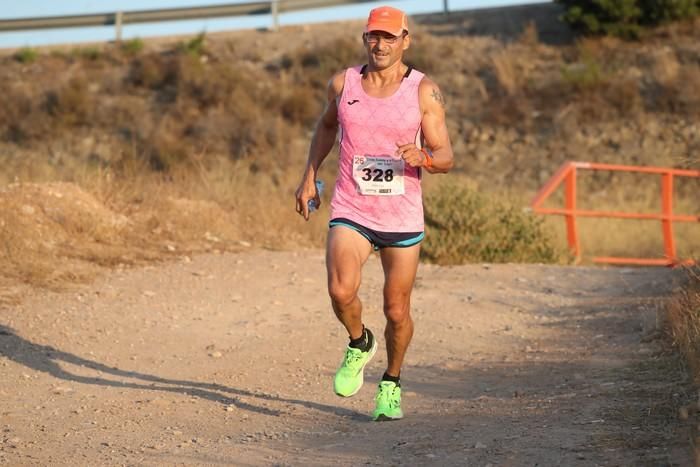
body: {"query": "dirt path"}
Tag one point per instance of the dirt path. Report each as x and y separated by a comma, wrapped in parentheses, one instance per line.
(228, 360)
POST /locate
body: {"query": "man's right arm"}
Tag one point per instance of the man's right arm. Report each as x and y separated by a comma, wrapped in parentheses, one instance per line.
(321, 144)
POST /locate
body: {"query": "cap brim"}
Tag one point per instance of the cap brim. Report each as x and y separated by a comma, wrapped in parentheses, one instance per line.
(384, 28)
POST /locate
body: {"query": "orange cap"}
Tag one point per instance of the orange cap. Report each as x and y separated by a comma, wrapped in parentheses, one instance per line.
(387, 19)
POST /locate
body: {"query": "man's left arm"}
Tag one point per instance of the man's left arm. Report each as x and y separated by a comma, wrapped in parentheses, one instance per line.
(434, 126)
(436, 155)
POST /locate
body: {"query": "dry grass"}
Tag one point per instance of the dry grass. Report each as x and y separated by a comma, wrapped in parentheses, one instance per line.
(683, 315)
(57, 233)
(683, 324)
(507, 72)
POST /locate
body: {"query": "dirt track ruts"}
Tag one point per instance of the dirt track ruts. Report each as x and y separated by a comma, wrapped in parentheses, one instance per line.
(228, 360)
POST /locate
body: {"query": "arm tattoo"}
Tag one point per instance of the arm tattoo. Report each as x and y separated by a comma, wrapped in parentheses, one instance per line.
(437, 95)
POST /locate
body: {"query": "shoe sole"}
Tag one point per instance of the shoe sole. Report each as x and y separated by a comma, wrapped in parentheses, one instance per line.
(372, 351)
(384, 418)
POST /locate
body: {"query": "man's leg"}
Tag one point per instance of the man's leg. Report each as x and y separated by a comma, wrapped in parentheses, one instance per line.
(400, 267)
(346, 252)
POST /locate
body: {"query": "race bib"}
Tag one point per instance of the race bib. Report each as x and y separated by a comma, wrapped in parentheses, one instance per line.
(378, 176)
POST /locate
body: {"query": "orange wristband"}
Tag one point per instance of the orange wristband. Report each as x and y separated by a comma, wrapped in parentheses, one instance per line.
(428, 158)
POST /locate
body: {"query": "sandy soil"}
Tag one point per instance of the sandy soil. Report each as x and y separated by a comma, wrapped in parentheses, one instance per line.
(228, 360)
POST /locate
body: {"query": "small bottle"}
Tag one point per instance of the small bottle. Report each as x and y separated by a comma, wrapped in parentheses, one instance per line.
(319, 189)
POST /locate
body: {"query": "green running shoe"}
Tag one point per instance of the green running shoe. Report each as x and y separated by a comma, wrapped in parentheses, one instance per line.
(388, 402)
(350, 376)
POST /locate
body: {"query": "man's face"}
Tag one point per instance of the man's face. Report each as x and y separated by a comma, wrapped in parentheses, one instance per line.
(385, 49)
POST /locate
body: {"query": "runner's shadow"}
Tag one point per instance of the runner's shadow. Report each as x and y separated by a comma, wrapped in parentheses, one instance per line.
(47, 359)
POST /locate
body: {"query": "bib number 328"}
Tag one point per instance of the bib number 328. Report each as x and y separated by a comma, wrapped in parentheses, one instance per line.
(379, 176)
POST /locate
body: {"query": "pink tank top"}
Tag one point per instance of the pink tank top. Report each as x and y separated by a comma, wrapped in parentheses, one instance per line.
(374, 188)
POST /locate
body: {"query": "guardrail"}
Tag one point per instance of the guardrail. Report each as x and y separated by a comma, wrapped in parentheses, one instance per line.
(119, 18)
(567, 175)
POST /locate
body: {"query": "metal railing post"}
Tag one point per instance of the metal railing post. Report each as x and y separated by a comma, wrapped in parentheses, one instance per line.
(275, 11)
(118, 20)
(446, 7)
(667, 212)
(570, 205)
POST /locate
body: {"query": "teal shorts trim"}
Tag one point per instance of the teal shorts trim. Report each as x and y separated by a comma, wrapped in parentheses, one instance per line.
(380, 240)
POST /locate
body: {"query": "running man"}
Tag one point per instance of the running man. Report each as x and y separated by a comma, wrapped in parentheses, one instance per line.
(392, 127)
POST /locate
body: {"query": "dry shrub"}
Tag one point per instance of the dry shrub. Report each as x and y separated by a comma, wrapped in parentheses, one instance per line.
(128, 117)
(504, 87)
(21, 118)
(530, 37)
(683, 315)
(590, 94)
(583, 76)
(300, 105)
(427, 55)
(624, 95)
(209, 106)
(330, 57)
(506, 71)
(165, 148)
(665, 67)
(509, 111)
(677, 86)
(689, 91)
(71, 104)
(254, 130)
(92, 54)
(209, 84)
(151, 71)
(212, 132)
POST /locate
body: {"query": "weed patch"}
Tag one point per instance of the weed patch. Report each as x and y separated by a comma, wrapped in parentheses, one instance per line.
(683, 314)
(26, 55)
(133, 46)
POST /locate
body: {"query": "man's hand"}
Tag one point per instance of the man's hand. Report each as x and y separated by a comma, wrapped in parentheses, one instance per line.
(305, 192)
(411, 154)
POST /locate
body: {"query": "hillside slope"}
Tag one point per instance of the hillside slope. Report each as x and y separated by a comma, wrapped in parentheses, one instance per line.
(228, 117)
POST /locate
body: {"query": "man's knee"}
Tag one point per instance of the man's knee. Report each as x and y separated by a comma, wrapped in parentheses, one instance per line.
(342, 293)
(397, 313)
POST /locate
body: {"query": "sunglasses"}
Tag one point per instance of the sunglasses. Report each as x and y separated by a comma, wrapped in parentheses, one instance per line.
(373, 37)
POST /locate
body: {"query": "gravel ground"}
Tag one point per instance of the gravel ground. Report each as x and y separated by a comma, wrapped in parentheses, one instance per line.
(228, 359)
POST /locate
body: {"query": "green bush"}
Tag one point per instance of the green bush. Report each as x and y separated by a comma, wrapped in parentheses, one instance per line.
(26, 55)
(88, 53)
(464, 225)
(616, 17)
(195, 46)
(133, 46)
(625, 18)
(585, 75)
(659, 11)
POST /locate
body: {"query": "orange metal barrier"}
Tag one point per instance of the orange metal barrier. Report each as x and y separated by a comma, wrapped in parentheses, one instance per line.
(567, 175)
